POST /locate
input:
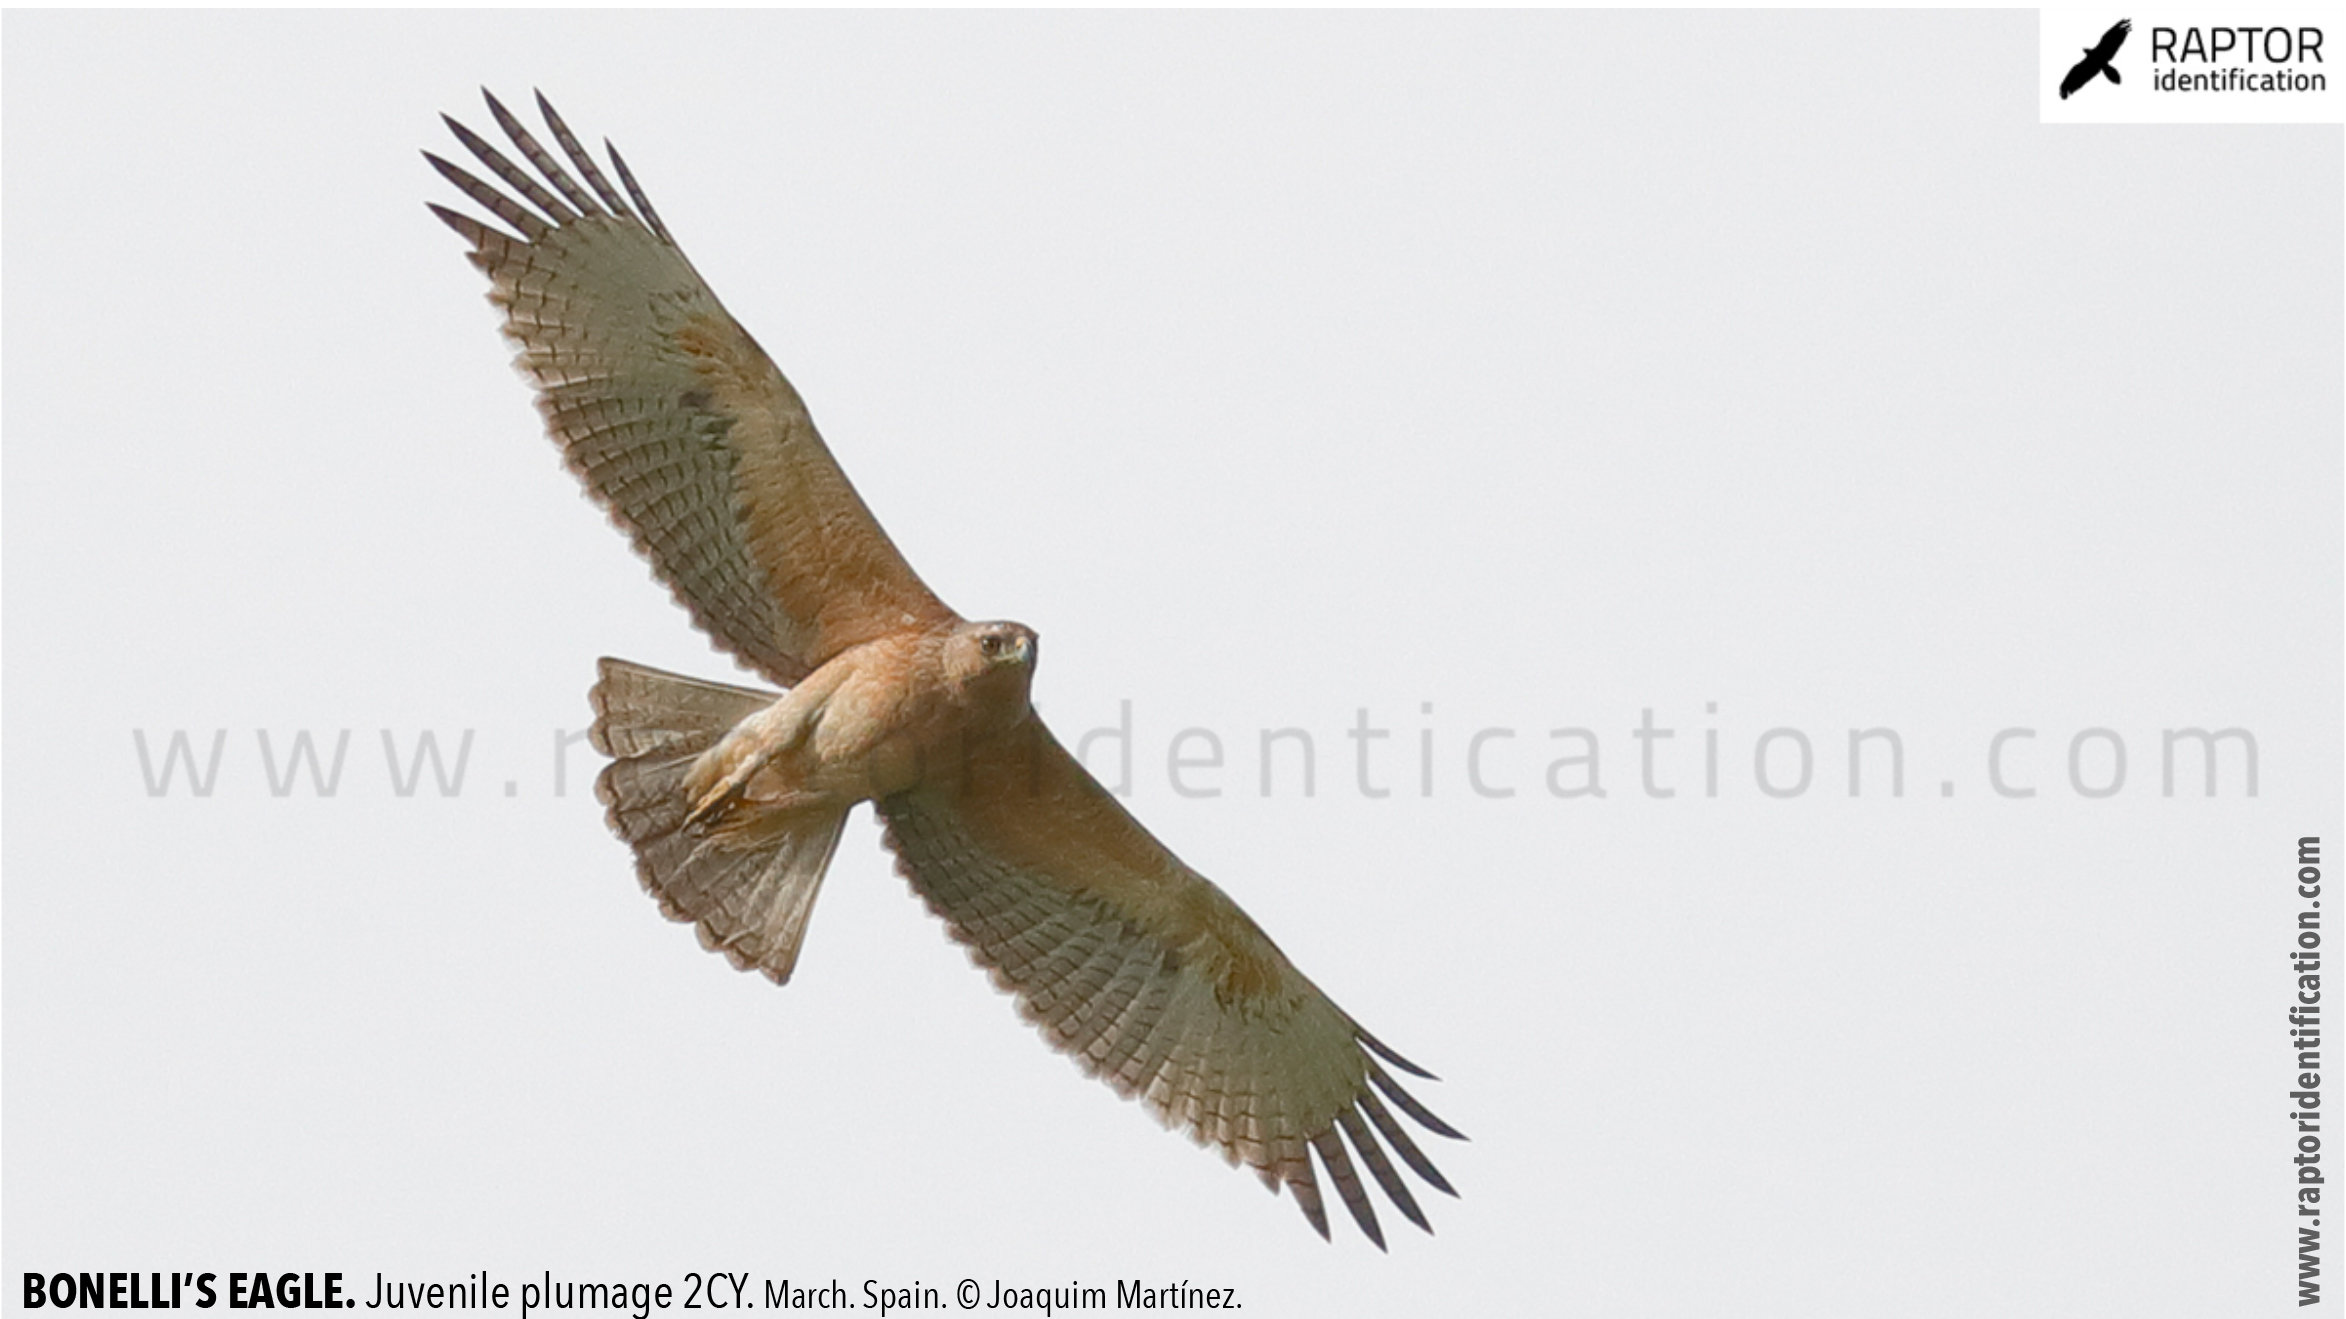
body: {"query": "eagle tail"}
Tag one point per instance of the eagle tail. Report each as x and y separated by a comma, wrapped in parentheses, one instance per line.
(2110, 71)
(748, 883)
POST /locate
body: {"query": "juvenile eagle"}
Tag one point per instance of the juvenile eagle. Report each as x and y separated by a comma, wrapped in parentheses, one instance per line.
(733, 799)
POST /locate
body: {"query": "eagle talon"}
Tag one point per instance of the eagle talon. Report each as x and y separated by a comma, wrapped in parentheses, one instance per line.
(727, 792)
(716, 804)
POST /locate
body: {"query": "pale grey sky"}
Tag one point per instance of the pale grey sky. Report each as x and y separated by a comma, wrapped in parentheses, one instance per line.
(1516, 372)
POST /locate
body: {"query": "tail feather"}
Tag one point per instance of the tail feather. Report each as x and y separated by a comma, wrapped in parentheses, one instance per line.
(748, 886)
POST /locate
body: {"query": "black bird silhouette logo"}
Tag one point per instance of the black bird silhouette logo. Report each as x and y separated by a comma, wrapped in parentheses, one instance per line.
(2097, 59)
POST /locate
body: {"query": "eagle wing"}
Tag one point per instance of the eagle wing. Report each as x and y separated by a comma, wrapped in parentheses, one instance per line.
(1152, 978)
(678, 423)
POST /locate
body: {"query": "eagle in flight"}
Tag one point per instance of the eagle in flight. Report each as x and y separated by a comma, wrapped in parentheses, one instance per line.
(733, 798)
(2097, 59)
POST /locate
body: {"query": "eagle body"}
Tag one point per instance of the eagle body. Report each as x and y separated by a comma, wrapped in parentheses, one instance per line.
(732, 799)
(880, 718)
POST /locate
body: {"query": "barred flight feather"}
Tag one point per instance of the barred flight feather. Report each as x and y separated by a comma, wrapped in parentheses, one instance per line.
(1279, 1081)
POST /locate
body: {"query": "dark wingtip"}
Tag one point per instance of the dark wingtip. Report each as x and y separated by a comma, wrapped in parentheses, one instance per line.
(635, 191)
(1385, 1051)
(1408, 1104)
(1307, 1198)
(497, 110)
(451, 171)
(1329, 1144)
(472, 141)
(465, 226)
(1380, 1166)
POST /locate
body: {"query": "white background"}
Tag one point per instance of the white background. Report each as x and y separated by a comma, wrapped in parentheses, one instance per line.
(1538, 368)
